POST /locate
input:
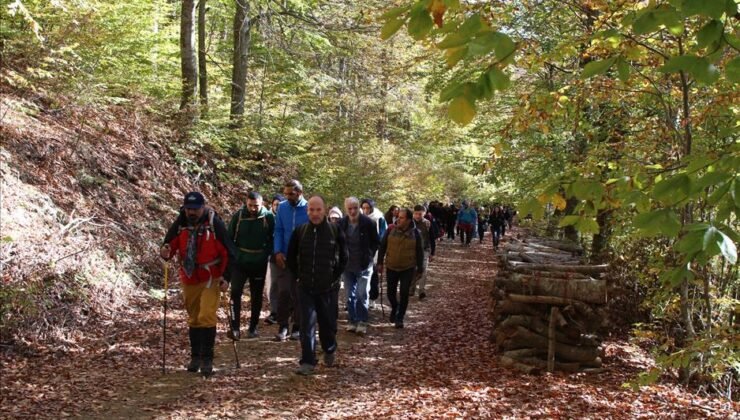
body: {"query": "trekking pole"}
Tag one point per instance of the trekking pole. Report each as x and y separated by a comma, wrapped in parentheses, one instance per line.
(164, 323)
(230, 315)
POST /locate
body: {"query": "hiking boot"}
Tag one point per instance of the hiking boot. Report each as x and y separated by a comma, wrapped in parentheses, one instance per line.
(252, 333)
(195, 344)
(233, 334)
(209, 339)
(330, 358)
(282, 335)
(272, 319)
(361, 328)
(392, 318)
(305, 369)
(194, 364)
(207, 368)
(422, 295)
(352, 327)
(399, 324)
(296, 333)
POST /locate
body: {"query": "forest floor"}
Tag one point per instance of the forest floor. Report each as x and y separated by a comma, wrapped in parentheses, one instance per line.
(441, 365)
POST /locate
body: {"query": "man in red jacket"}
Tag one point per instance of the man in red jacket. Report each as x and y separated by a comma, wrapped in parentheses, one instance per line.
(198, 237)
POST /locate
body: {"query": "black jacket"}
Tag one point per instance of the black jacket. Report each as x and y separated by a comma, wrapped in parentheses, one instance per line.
(369, 240)
(317, 256)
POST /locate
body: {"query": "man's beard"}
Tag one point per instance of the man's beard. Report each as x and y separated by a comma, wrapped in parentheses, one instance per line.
(192, 219)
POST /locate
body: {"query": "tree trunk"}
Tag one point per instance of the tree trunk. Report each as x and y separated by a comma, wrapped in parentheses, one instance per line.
(202, 70)
(600, 243)
(187, 54)
(242, 38)
(583, 269)
(586, 290)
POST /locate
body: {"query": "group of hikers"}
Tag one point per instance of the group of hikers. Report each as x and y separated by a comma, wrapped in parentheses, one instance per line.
(308, 252)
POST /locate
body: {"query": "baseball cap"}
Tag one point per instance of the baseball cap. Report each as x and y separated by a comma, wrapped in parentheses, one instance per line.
(194, 200)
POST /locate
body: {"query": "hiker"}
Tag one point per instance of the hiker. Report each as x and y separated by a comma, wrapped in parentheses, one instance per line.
(291, 213)
(200, 240)
(507, 216)
(429, 244)
(467, 220)
(251, 228)
(334, 215)
(451, 213)
(362, 239)
(272, 288)
(369, 209)
(317, 256)
(481, 225)
(392, 214)
(401, 250)
(496, 221)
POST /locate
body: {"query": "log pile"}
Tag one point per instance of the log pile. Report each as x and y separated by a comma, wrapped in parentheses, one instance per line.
(547, 306)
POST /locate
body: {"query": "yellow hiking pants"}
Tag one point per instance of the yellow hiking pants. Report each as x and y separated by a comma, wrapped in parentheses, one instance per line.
(201, 304)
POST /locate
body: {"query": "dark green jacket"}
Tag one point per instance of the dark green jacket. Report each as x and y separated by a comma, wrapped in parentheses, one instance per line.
(252, 236)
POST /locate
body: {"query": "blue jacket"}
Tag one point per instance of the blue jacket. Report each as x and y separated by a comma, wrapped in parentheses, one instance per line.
(288, 218)
(467, 215)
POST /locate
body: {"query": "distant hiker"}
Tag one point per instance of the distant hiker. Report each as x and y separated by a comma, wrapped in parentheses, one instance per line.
(496, 221)
(335, 215)
(317, 256)
(392, 214)
(369, 209)
(272, 287)
(200, 240)
(451, 220)
(362, 239)
(467, 221)
(482, 222)
(428, 233)
(291, 214)
(507, 216)
(251, 228)
(401, 251)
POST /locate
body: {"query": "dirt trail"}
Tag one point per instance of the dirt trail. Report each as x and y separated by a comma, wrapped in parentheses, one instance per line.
(441, 365)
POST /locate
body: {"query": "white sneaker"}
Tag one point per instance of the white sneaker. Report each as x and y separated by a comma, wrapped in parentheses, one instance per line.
(372, 305)
(352, 328)
(362, 328)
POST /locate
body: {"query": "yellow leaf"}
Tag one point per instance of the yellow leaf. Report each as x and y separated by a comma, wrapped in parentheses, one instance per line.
(454, 55)
(558, 201)
(461, 110)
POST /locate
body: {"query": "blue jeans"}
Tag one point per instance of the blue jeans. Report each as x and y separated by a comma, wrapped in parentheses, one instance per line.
(321, 308)
(357, 284)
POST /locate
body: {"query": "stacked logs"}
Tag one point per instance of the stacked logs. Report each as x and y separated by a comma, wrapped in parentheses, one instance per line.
(547, 307)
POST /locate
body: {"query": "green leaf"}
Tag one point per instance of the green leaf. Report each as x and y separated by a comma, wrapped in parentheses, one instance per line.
(394, 12)
(461, 110)
(485, 87)
(720, 192)
(716, 242)
(390, 28)
(597, 67)
(452, 4)
(710, 33)
(699, 67)
(504, 46)
(420, 24)
(534, 207)
(732, 70)
(451, 91)
(453, 40)
(710, 8)
(623, 70)
(691, 243)
(658, 222)
(471, 26)
(587, 225)
(730, 8)
(482, 44)
(669, 18)
(569, 221)
(673, 190)
(498, 79)
(646, 23)
(454, 55)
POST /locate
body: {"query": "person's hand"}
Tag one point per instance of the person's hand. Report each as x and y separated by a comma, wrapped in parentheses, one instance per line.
(280, 260)
(164, 252)
(223, 284)
(380, 269)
